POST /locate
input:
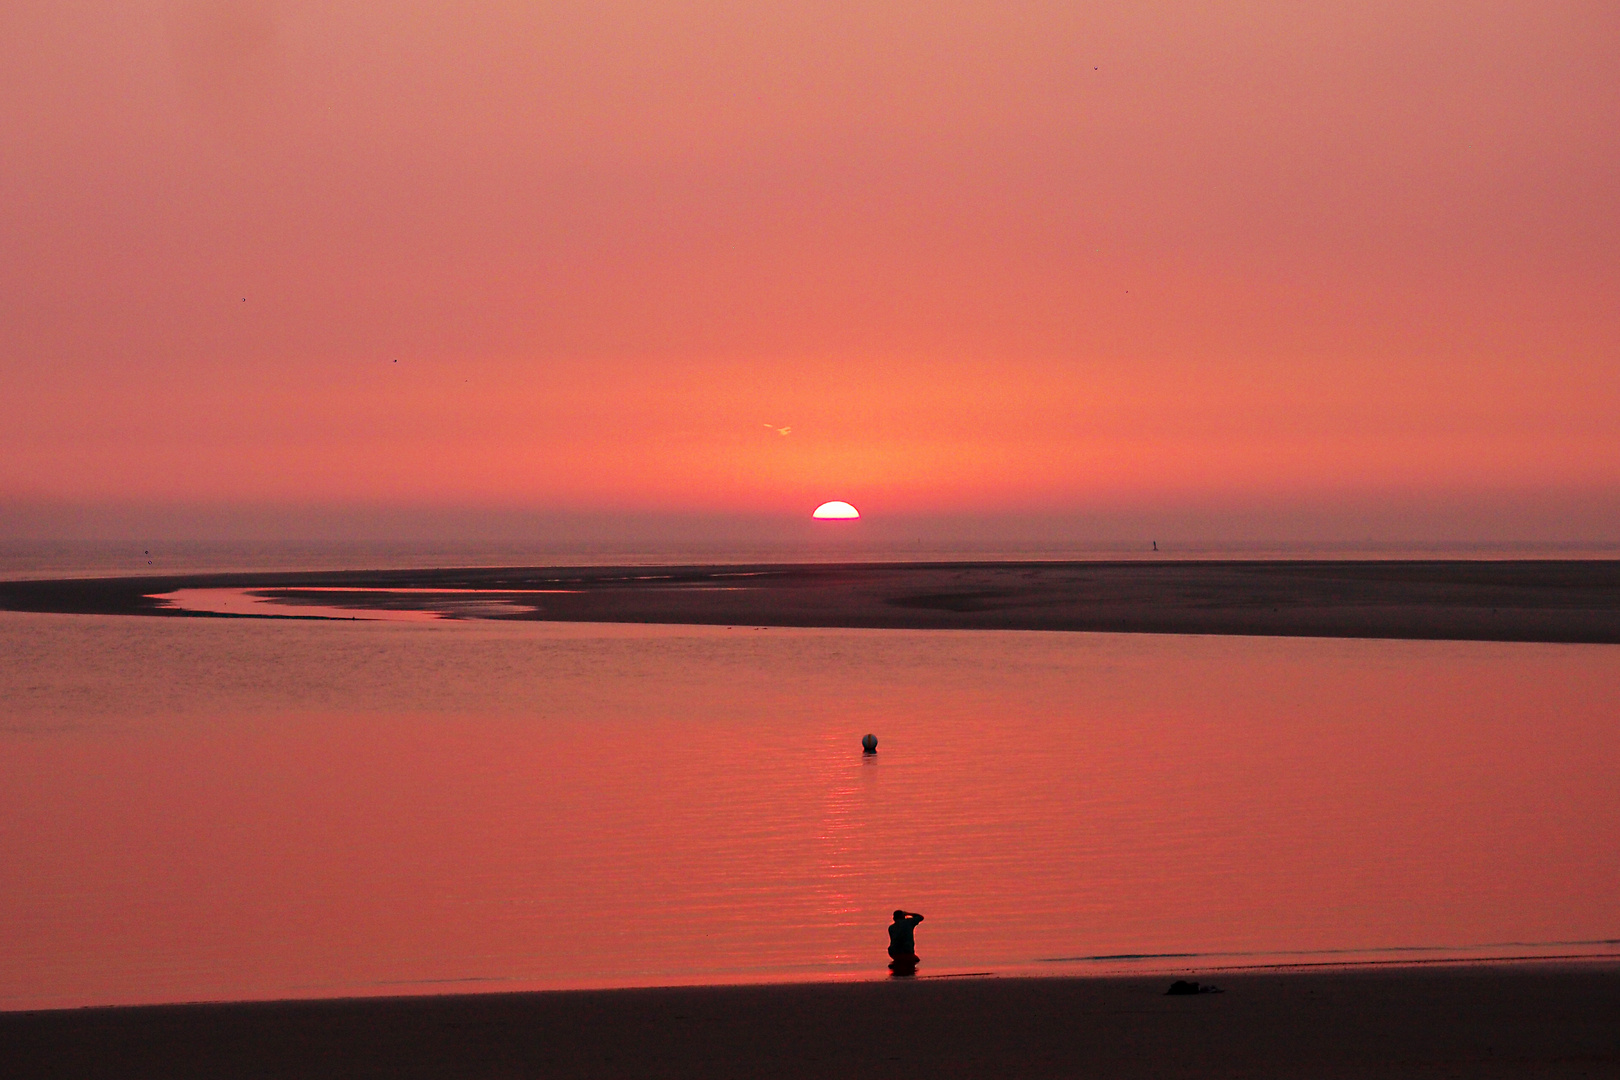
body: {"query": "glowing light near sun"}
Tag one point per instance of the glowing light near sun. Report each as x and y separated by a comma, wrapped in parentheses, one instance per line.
(836, 511)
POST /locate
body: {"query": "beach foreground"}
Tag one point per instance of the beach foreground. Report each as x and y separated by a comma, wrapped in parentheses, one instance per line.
(1485, 1021)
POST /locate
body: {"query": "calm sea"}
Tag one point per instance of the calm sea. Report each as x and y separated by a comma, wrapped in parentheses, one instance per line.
(223, 809)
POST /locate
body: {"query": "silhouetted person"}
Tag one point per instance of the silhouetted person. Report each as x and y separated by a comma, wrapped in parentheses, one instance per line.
(903, 942)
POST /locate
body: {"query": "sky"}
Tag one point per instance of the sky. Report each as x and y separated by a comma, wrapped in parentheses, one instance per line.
(1255, 270)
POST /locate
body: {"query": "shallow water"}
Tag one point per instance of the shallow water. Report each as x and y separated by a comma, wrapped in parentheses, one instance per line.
(235, 808)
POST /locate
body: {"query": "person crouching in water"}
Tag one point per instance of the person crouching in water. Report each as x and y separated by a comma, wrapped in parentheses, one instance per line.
(903, 942)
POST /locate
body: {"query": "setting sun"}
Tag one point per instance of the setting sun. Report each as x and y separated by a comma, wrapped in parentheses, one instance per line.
(836, 511)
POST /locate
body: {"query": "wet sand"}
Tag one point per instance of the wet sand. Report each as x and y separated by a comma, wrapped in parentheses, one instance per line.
(1550, 600)
(1474, 1021)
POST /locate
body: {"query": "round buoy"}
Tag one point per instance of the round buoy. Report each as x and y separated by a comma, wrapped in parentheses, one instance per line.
(869, 744)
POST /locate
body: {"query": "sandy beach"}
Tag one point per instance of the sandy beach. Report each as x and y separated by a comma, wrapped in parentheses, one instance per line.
(1501, 1021)
(1548, 601)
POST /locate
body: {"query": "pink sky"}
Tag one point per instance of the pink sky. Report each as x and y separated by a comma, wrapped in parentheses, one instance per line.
(981, 258)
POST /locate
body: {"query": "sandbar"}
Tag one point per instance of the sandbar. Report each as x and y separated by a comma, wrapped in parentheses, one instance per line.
(1575, 601)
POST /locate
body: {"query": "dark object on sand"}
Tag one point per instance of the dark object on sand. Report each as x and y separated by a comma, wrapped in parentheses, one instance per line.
(869, 744)
(1181, 987)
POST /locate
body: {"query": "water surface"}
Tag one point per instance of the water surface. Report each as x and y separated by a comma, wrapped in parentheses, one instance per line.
(233, 808)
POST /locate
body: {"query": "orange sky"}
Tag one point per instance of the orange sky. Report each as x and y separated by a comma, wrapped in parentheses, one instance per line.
(982, 258)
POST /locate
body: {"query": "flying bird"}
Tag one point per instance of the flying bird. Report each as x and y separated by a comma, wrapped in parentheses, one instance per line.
(779, 430)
